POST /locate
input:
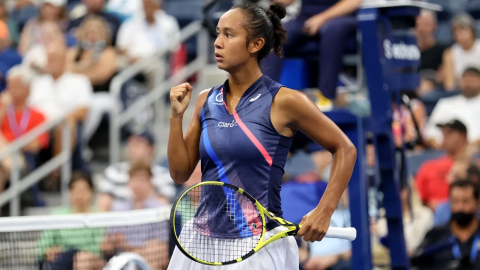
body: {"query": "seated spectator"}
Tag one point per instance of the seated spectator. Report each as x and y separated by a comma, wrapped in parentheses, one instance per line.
(328, 23)
(50, 11)
(8, 56)
(150, 240)
(143, 35)
(12, 25)
(417, 221)
(36, 56)
(75, 248)
(431, 51)
(97, 60)
(94, 57)
(454, 245)
(463, 169)
(464, 53)
(431, 179)
(95, 7)
(16, 119)
(60, 93)
(113, 185)
(464, 107)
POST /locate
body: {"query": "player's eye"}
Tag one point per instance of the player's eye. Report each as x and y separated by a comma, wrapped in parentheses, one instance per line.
(228, 35)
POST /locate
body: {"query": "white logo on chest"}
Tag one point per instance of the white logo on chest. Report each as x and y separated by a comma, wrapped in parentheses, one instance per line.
(255, 98)
(227, 125)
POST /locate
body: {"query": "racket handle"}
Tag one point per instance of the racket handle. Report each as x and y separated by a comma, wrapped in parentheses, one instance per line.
(342, 233)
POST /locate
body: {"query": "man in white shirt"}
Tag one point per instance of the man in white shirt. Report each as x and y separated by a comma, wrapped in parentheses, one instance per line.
(153, 30)
(113, 183)
(58, 93)
(464, 107)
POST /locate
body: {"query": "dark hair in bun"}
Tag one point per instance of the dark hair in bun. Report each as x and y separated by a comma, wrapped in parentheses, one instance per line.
(266, 24)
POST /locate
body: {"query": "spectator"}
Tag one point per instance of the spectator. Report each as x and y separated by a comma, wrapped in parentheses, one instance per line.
(328, 24)
(431, 179)
(417, 221)
(150, 240)
(12, 25)
(464, 107)
(50, 11)
(461, 170)
(456, 243)
(431, 51)
(146, 34)
(464, 53)
(36, 56)
(60, 93)
(97, 60)
(8, 56)
(95, 7)
(113, 185)
(94, 57)
(16, 119)
(78, 248)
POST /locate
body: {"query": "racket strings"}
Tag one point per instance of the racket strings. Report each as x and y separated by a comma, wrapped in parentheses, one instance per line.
(219, 224)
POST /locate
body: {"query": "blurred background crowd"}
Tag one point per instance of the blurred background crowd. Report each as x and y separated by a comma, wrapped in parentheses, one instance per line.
(58, 59)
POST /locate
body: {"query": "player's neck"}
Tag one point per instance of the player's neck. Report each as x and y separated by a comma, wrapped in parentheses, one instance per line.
(242, 79)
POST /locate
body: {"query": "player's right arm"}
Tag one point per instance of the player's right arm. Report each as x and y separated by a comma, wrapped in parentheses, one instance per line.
(183, 151)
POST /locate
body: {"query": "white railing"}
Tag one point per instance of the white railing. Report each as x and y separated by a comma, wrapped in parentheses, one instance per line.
(17, 184)
(161, 87)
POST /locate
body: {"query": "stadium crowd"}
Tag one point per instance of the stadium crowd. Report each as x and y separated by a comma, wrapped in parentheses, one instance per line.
(58, 58)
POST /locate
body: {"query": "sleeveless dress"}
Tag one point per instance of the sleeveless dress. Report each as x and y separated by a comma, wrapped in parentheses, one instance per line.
(245, 150)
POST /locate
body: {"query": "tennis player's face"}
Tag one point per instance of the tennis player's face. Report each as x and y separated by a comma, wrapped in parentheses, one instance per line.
(231, 43)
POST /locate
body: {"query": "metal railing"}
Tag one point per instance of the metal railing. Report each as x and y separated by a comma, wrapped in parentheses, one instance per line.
(161, 87)
(19, 185)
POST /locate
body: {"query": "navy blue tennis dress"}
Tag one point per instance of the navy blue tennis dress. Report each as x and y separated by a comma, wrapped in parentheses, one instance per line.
(245, 150)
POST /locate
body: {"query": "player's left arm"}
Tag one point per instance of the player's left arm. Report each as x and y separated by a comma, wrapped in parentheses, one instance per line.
(292, 111)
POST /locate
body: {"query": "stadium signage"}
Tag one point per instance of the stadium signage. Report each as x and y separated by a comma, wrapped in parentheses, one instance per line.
(401, 51)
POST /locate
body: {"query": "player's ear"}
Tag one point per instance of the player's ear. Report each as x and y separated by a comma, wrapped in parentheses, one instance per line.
(256, 45)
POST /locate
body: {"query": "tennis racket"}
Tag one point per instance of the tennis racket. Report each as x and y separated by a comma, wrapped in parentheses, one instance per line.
(215, 223)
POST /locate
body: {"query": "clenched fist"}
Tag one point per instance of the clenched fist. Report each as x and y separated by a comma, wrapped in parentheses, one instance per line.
(180, 98)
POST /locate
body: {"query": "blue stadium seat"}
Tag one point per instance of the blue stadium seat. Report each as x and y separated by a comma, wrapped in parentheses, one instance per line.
(416, 160)
(305, 195)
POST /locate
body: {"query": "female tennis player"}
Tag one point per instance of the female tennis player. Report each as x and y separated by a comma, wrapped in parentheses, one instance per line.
(242, 131)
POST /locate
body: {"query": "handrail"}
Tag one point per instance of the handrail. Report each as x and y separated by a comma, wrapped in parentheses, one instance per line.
(29, 136)
(160, 88)
(17, 185)
(126, 74)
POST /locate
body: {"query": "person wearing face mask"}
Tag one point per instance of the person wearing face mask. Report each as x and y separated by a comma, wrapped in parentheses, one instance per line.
(454, 245)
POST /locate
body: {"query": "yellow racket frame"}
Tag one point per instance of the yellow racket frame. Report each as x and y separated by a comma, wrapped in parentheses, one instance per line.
(292, 228)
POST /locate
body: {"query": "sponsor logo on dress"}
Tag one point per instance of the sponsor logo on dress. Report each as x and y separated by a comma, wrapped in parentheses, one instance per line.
(218, 99)
(227, 125)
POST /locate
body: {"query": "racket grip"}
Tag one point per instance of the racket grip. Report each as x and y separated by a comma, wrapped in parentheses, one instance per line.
(342, 233)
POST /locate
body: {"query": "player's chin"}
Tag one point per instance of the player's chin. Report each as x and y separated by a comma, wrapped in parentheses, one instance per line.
(222, 65)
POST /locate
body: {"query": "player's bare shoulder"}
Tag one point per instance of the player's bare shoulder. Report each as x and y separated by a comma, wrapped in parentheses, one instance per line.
(288, 101)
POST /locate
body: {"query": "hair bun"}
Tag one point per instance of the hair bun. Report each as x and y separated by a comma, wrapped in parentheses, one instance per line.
(279, 10)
